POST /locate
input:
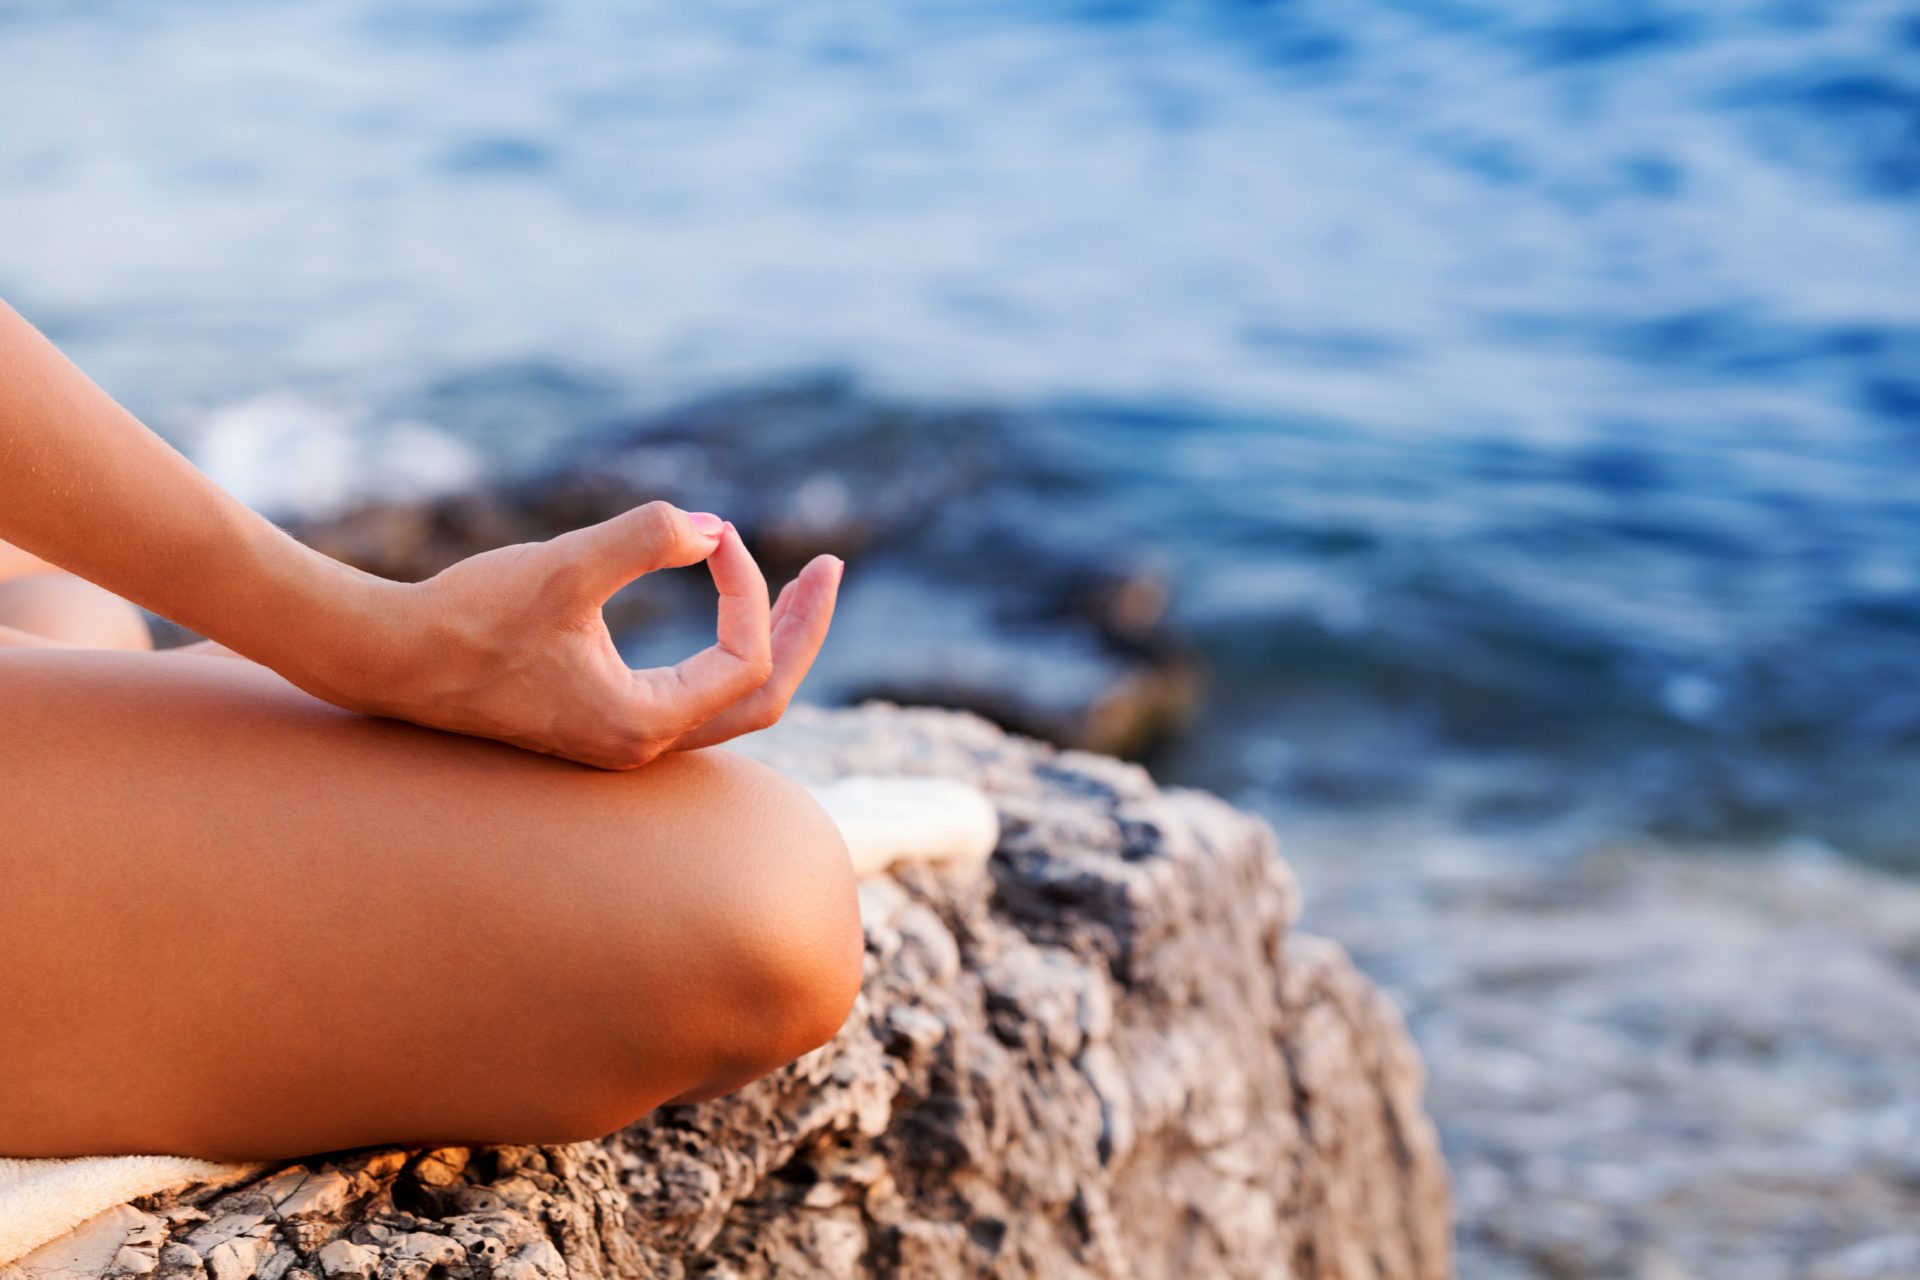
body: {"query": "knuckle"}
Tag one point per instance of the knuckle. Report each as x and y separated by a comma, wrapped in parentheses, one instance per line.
(621, 749)
(658, 520)
(631, 757)
(640, 748)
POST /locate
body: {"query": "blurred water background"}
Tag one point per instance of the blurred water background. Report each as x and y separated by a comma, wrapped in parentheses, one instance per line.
(1523, 397)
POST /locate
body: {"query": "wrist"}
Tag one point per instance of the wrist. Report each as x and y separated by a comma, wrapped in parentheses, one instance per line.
(366, 641)
(329, 628)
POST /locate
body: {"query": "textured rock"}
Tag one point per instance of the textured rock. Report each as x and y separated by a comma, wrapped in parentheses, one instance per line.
(1108, 1055)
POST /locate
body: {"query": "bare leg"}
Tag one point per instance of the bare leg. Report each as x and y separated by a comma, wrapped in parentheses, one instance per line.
(38, 598)
(238, 922)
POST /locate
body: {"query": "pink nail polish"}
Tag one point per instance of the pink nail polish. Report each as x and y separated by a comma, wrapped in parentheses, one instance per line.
(707, 523)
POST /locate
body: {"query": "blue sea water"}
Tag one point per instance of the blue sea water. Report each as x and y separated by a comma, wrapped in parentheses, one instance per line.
(1519, 378)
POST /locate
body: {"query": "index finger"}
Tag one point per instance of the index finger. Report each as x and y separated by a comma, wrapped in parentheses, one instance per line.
(741, 658)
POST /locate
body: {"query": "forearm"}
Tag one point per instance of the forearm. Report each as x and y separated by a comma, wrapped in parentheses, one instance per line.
(508, 644)
(85, 486)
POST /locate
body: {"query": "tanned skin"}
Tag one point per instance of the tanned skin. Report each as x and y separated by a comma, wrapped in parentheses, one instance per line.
(379, 862)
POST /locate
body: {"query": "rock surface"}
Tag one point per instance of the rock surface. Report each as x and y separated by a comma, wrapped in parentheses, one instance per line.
(1110, 1056)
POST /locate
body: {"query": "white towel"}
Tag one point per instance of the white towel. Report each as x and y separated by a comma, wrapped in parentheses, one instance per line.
(60, 1219)
(44, 1200)
(888, 820)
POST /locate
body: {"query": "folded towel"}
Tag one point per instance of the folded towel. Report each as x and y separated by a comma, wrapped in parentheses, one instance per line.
(44, 1199)
(888, 820)
(60, 1218)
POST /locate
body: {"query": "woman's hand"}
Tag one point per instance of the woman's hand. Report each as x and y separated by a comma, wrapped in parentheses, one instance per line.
(507, 645)
(511, 644)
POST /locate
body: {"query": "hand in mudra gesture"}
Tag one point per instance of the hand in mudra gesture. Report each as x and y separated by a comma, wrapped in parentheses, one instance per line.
(138, 786)
(511, 644)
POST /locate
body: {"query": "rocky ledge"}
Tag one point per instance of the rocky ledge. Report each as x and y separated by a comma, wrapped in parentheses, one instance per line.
(1109, 1055)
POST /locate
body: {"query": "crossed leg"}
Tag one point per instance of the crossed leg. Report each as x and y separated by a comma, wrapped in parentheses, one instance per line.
(39, 599)
(238, 922)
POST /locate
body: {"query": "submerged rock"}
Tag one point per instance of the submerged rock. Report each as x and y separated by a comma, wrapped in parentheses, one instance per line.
(965, 588)
(1108, 1055)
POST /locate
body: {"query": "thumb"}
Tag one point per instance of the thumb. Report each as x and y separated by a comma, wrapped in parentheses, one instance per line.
(609, 555)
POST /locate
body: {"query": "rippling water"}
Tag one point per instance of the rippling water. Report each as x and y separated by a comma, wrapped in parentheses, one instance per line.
(1523, 378)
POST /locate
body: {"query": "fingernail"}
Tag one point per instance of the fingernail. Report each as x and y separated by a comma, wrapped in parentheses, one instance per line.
(707, 523)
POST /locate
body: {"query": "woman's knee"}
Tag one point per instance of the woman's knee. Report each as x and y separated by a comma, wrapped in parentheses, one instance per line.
(767, 924)
(787, 924)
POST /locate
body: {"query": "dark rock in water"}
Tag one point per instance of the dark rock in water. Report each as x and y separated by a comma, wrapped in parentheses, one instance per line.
(805, 469)
(958, 594)
(1133, 710)
(1110, 1056)
(908, 639)
(1077, 653)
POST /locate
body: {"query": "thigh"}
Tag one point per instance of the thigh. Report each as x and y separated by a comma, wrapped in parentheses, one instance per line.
(14, 562)
(239, 921)
(58, 606)
(48, 602)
